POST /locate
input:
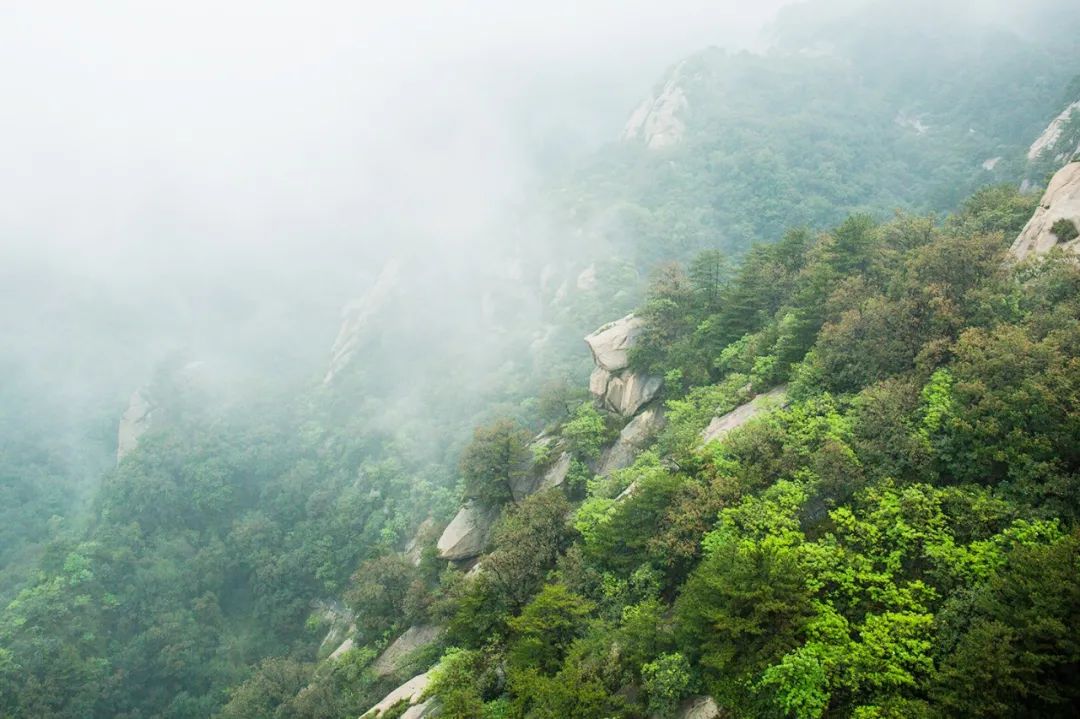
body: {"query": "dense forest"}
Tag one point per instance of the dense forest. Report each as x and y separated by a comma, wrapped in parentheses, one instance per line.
(828, 467)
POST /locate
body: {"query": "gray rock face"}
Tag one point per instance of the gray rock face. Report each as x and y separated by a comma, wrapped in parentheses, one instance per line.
(1061, 201)
(628, 392)
(422, 711)
(630, 491)
(698, 708)
(658, 120)
(424, 533)
(613, 385)
(720, 426)
(342, 624)
(467, 534)
(1051, 137)
(414, 638)
(556, 473)
(342, 648)
(611, 343)
(410, 691)
(355, 317)
(134, 423)
(633, 438)
(535, 481)
(586, 279)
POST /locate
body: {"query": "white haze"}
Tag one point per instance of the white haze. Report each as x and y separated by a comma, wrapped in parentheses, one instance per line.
(225, 175)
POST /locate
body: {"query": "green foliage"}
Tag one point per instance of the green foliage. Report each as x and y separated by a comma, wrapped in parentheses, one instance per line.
(586, 433)
(666, 681)
(455, 682)
(617, 532)
(383, 593)
(545, 629)
(1065, 230)
(527, 541)
(275, 683)
(497, 457)
(1015, 652)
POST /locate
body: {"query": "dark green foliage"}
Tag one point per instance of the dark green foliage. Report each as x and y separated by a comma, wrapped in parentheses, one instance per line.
(543, 632)
(1018, 654)
(383, 595)
(527, 541)
(872, 546)
(496, 458)
(742, 610)
(207, 553)
(275, 682)
(456, 681)
(1065, 230)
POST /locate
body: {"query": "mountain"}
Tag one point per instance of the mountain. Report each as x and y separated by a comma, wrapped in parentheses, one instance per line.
(715, 430)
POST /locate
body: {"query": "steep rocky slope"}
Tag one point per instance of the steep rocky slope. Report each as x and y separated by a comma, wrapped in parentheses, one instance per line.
(1056, 222)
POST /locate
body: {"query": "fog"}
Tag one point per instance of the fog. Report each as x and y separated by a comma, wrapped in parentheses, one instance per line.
(219, 179)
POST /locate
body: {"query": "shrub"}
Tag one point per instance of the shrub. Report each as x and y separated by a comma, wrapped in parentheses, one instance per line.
(586, 433)
(1065, 230)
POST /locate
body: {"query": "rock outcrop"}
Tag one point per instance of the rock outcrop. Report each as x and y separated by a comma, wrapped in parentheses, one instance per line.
(414, 550)
(1058, 212)
(658, 120)
(720, 426)
(610, 345)
(1050, 141)
(537, 481)
(342, 648)
(612, 383)
(700, 707)
(586, 279)
(394, 656)
(633, 438)
(409, 692)
(467, 534)
(421, 711)
(341, 624)
(136, 421)
(152, 405)
(356, 316)
(911, 122)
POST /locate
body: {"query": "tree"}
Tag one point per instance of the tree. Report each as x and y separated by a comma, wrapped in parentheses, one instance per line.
(1019, 655)
(586, 433)
(666, 681)
(748, 603)
(275, 682)
(527, 541)
(1065, 230)
(545, 629)
(709, 272)
(494, 461)
(380, 592)
(455, 682)
(559, 398)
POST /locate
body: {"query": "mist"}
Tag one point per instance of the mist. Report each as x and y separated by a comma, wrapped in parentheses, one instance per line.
(225, 178)
(485, 357)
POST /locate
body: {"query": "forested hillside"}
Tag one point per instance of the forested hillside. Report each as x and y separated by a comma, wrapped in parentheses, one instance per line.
(895, 538)
(827, 466)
